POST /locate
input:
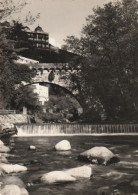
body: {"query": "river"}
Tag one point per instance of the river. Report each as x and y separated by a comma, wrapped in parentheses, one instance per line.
(114, 179)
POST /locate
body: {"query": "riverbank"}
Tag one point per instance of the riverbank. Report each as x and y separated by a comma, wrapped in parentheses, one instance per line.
(10, 184)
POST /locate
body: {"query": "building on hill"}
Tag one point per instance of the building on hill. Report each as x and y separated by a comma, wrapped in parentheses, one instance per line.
(39, 38)
(41, 50)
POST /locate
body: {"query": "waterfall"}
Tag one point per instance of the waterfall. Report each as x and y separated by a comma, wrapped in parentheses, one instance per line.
(72, 128)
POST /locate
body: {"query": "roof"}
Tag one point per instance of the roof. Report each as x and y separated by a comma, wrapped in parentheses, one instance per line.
(38, 29)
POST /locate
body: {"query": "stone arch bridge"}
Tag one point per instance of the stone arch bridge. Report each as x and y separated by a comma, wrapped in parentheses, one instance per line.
(59, 75)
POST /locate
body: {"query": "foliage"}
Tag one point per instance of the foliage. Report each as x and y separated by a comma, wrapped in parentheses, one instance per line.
(109, 45)
(13, 39)
(60, 109)
(8, 7)
(25, 97)
(19, 35)
(11, 74)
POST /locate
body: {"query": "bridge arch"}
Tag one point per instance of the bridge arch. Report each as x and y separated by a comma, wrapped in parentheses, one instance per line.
(64, 89)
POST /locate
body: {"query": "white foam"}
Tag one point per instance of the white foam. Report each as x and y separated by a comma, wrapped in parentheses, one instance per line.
(117, 175)
(76, 134)
(128, 163)
(136, 151)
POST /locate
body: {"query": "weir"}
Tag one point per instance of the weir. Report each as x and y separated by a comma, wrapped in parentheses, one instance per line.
(78, 129)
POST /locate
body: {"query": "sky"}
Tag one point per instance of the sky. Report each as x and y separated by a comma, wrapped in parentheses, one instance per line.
(60, 18)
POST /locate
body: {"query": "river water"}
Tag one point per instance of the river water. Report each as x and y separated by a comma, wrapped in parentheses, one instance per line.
(115, 179)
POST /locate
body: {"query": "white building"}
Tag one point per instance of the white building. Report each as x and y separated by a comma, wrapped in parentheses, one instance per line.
(42, 92)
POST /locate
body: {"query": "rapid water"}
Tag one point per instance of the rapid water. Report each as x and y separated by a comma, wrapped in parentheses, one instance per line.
(36, 129)
(108, 180)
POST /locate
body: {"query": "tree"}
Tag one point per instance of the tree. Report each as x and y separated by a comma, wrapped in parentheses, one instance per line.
(25, 96)
(19, 35)
(13, 39)
(11, 74)
(8, 7)
(109, 44)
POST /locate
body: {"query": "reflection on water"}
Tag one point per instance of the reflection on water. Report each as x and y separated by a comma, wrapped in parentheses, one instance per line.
(118, 179)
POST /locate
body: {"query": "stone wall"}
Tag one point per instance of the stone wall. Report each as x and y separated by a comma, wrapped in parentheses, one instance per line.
(13, 118)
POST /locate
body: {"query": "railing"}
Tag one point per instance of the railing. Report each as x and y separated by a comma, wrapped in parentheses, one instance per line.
(2, 112)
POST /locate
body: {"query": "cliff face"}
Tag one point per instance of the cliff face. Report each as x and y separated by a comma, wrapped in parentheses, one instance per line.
(13, 119)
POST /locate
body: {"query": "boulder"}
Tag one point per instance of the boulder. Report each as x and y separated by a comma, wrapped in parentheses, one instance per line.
(83, 171)
(98, 155)
(63, 145)
(13, 190)
(4, 148)
(24, 191)
(1, 172)
(13, 180)
(32, 147)
(1, 143)
(9, 168)
(7, 155)
(57, 177)
(3, 159)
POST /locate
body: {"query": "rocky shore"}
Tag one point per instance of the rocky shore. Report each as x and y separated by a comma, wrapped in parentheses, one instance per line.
(10, 184)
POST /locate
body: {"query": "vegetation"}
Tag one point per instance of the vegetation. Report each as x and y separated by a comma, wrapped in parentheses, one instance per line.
(107, 84)
(106, 53)
(25, 97)
(9, 7)
(60, 109)
(13, 40)
(12, 74)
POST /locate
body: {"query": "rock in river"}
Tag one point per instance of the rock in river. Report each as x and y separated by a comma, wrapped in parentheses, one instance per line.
(3, 148)
(13, 180)
(63, 145)
(83, 171)
(99, 155)
(1, 143)
(57, 177)
(9, 168)
(13, 190)
(32, 147)
(3, 159)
